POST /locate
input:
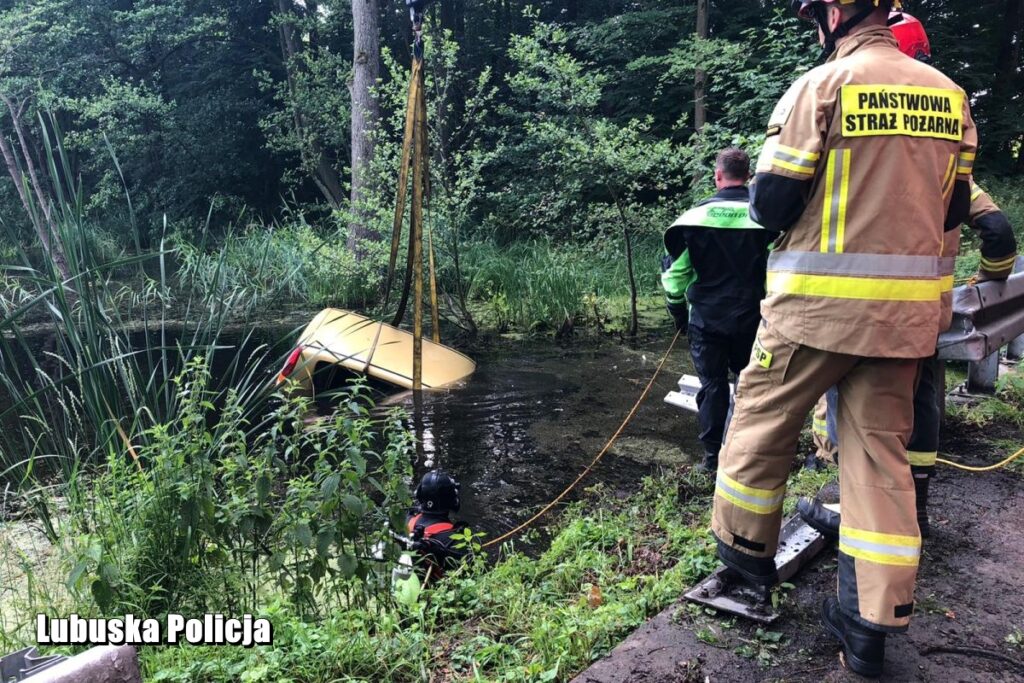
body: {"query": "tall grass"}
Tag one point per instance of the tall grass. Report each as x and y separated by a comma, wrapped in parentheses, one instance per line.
(160, 485)
(280, 265)
(539, 285)
(79, 388)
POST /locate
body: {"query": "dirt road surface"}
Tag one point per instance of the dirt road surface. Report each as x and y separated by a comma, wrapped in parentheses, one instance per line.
(969, 611)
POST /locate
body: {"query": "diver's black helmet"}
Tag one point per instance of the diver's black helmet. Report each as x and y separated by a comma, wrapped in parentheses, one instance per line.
(438, 492)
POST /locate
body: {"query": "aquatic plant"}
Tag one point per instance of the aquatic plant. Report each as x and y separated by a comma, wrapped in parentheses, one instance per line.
(161, 486)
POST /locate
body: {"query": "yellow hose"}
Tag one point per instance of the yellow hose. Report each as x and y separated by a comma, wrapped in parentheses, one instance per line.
(987, 468)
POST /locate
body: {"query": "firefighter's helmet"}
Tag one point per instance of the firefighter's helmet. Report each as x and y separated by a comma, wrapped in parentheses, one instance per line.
(910, 34)
(817, 11)
(804, 8)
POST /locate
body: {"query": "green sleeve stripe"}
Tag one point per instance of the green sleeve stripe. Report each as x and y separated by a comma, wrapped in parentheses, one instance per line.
(678, 278)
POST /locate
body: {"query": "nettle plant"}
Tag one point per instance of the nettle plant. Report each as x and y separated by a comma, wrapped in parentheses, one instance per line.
(214, 514)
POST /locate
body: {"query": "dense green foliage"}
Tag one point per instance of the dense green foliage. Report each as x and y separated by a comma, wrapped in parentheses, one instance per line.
(522, 619)
(560, 120)
(172, 166)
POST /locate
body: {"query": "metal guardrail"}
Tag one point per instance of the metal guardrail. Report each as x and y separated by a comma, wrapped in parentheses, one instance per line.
(107, 664)
(986, 317)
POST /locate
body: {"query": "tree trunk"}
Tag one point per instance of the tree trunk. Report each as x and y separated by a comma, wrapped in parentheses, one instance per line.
(314, 161)
(365, 114)
(634, 322)
(700, 76)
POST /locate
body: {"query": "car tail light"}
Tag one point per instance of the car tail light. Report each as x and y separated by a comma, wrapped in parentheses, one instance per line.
(289, 365)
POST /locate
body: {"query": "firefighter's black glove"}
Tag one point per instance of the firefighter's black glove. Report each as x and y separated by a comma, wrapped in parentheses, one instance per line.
(680, 314)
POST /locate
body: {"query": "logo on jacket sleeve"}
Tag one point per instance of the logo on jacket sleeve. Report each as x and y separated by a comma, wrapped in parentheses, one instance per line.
(762, 355)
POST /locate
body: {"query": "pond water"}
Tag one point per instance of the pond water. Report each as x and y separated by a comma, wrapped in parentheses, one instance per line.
(534, 415)
(528, 421)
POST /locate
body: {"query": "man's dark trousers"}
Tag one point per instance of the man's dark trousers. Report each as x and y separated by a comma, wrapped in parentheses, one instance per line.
(718, 348)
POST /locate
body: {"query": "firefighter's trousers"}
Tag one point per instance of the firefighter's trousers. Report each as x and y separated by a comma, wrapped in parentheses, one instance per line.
(923, 446)
(715, 353)
(922, 449)
(880, 545)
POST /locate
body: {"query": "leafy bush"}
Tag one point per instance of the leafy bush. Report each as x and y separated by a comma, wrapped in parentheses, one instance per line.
(609, 567)
(207, 519)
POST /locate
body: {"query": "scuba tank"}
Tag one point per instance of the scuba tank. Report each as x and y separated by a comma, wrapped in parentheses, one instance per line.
(402, 570)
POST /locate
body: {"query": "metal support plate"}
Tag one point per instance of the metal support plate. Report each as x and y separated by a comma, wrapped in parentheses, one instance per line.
(686, 397)
(725, 592)
(22, 664)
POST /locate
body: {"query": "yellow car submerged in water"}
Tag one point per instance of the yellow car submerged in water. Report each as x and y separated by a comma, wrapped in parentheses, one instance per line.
(341, 341)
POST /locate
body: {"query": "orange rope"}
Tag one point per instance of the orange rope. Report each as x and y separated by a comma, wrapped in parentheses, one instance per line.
(597, 458)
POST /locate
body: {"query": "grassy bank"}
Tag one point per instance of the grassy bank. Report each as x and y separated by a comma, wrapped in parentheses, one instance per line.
(611, 564)
(522, 619)
(533, 287)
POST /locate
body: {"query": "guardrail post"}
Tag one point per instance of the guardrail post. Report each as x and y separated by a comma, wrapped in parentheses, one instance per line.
(982, 375)
(108, 664)
(1015, 349)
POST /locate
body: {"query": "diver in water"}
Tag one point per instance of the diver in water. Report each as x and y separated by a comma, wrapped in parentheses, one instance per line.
(431, 528)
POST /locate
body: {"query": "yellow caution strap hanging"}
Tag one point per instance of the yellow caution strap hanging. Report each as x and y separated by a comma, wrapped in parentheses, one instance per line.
(415, 158)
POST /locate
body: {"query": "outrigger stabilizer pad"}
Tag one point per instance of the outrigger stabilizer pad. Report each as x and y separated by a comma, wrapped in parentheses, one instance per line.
(725, 591)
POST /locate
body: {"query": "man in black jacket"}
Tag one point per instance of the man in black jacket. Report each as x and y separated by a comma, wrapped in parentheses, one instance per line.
(714, 277)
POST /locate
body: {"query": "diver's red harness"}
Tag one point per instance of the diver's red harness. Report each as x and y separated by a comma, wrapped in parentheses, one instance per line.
(435, 570)
(432, 530)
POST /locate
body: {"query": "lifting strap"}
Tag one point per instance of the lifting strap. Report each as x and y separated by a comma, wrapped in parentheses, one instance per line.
(415, 156)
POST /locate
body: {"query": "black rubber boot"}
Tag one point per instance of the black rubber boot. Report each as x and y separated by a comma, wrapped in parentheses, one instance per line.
(814, 463)
(922, 475)
(710, 463)
(863, 648)
(819, 517)
(757, 571)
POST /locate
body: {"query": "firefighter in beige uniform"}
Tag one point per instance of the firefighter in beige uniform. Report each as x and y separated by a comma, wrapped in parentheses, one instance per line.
(865, 166)
(998, 255)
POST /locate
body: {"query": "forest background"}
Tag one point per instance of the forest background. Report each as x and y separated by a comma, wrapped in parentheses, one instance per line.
(176, 165)
(558, 129)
